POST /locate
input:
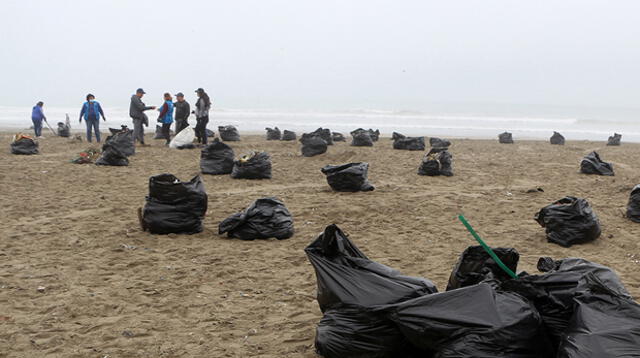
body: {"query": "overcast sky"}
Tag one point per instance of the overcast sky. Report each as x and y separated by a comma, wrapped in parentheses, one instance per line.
(323, 54)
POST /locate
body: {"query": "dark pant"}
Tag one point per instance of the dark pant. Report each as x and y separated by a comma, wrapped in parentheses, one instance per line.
(95, 124)
(166, 131)
(181, 124)
(37, 126)
(138, 130)
(201, 129)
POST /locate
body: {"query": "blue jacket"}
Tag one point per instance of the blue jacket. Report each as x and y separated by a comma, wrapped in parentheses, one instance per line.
(166, 112)
(84, 112)
(37, 114)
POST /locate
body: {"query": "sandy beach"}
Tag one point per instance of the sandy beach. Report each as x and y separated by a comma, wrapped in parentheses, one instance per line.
(111, 290)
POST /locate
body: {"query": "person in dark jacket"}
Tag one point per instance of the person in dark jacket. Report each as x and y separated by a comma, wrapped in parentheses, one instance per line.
(183, 110)
(203, 105)
(166, 117)
(91, 111)
(136, 112)
(37, 116)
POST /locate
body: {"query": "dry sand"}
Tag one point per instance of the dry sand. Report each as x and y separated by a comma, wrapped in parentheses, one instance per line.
(114, 291)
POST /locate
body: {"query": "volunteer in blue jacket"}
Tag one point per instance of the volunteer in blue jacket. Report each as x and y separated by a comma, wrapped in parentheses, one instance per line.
(91, 112)
(166, 116)
(36, 117)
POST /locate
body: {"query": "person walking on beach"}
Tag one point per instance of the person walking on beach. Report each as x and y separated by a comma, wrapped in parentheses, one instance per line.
(37, 116)
(202, 115)
(166, 117)
(136, 112)
(183, 110)
(91, 112)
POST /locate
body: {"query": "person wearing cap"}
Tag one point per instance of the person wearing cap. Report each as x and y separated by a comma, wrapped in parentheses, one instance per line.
(183, 110)
(202, 115)
(136, 112)
(91, 111)
(166, 117)
(36, 117)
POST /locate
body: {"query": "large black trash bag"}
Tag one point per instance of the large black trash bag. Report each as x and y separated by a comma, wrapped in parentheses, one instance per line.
(474, 321)
(209, 133)
(557, 138)
(552, 292)
(615, 139)
(122, 139)
(312, 144)
(273, 133)
(229, 133)
(216, 158)
(63, 130)
(375, 135)
(174, 206)
(24, 146)
(159, 134)
(407, 143)
(439, 143)
(325, 134)
(288, 135)
(569, 221)
(252, 166)
(505, 138)
(475, 265)
(112, 156)
(338, 137)
(362, 139)
(605, 323)
(592, 164)
(633, 207)
(263, 219)
(349, 177)
(438, 161)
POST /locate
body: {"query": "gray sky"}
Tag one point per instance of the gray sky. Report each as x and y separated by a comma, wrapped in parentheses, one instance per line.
(323, 54)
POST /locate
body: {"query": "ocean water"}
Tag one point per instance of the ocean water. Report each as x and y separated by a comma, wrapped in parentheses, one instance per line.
(405, 122)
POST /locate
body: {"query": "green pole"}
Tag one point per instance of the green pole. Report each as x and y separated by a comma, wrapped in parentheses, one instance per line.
(486, 247)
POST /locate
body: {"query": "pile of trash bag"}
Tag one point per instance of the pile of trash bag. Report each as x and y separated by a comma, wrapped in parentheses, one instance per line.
(216, 158)
(173, 206)
(273, 133)
(112, 156)
(439, 143)
(407, 143)
(264, 218)
(159, 134)
(338, 137)
(569, 221)
(288, 135)
(325, 134)
(557, 138)
(312, 144)
(184, 139)
(361, 139)
(505, 138)
(592, 164)
(88, 156)
(475, 265)
(375, 135)
(23, 144)
(349, 177)
(122, 139)
(633, 206)
(438, 161)
(229, 133)
(64, 130)
(615, 139)
(256, 165)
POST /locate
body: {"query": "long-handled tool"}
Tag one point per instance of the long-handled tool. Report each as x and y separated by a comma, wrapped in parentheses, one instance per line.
(52, 131)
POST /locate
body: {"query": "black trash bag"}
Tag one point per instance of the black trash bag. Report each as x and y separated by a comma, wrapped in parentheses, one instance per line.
(174, 206)
(312, 144)
(474, 321)
(605, 323)
(263, 219)
(407, 143)
(475, 265)
(117, 130)
(569, 221)
(375, 135)
(216, 158)
(615, 139)
(350, 177)
(288, 135)
(253, 166)
(633, 206)
(159, 134)
(123, 141)
(439, 143)
(228, 133)
(557, 138)
(63, 130)
(209, 133)
(553, 291)
(505, 138)
(438, 161)
(187, 146)
(24, 146)
(324, 134)
(338, 137)
(362, 139)
(273, 133)
(112, 156)
(592, 164)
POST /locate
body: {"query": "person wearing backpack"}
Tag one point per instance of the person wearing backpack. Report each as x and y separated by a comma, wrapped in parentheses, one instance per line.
(166, 117)
(91, 112)
(136, 112)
